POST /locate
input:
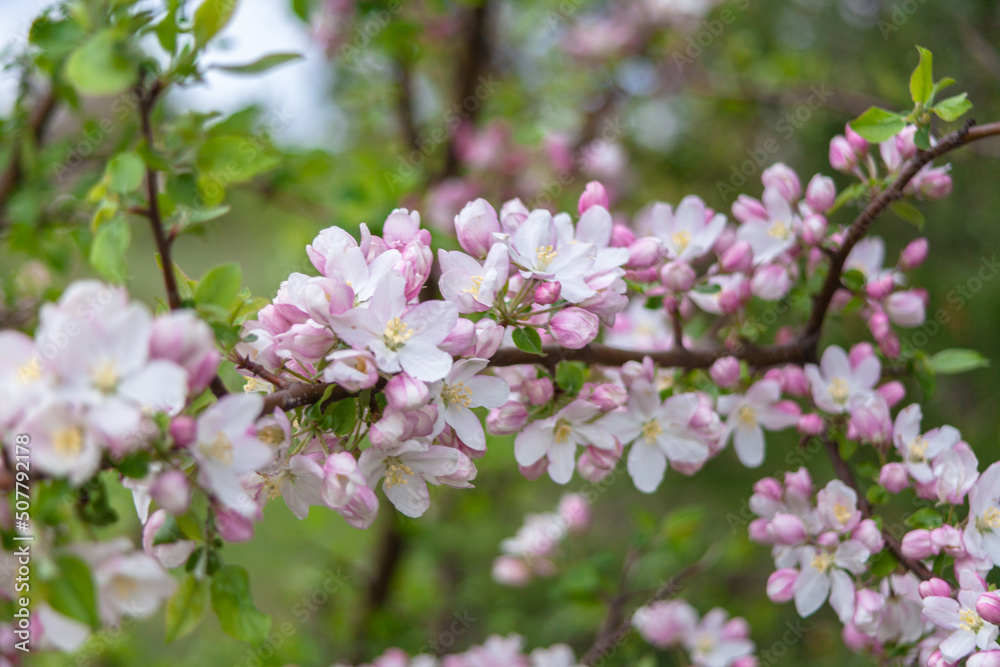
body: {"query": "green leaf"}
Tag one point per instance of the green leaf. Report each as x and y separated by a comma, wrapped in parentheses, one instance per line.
(528, 340)
(71, 592)
(941, 85)
(126, 171)
(107, 253)
(922, 79)
(166, 31)
(877, 125)
(957, 360)
(101, 66)
(261, 64)
(570, 376)
(186, 607)
(220, 286)
(853, 280)
(849, 193)
(883, 564)
(211, 17)
(232, 159)
(908, 212)
(169, 532)
(877, 495)
(135, 465)
(926, 518)
(952, 108)
(233, 604)
(922, 138)
(342, 416)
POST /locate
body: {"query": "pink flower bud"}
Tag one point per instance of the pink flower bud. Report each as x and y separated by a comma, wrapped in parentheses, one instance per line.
(574, 510)
(769, 488)
(622, 236)
(830, 539)
(781, 584)
(879, 288)
(893, 477)
(535, 470)
(904, 142)
(746, 661)
(758, 531)
(738, 258)
(868, 534)
(233, 526)
(170, 554)
(917, 544)
(547, 293)
(781, 178)
(892, 391)
(842, 156)
(475, 225)
(508, 418)
(907, 309)
(735, 628)
(984, 658)
(821, 193)
(677, 276)
(489, 336)
(988, 607)
(814, 229)
(913, 254)
(799, 483)
(172, 491)
(855, 640)
(858, 143)
(948, 539)
(538, 392)
(595, 463)
(405, 393)
(747, 208)
(574, 327)
(890, 346)
(461, 337)
(938, 588)
(770, 282)
(796, 383)
(787, 529)
(594, 194)
(810, 424)
(510, 571)
(643, 253)
(933, 183)
(183, 430)
(183, 338)
(608, 396)
(867, 605)
(725, 372)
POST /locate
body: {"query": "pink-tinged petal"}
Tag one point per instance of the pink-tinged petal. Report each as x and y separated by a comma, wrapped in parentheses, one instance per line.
(533, 442)
(467, 426)
(749, 444)
(432, 321)
(231, 414)
(867, 373)
(458, 261)
(562, 462)
(852, 555)
(412, 498)
(646, 466)
(488, 392)
(763, 392)
(161, 385)
(942, 612)
(835, 363)
(774, 419)
(623, 424)
(424, 362)
(596, 435)
(811, 590)
(643, 399)
(357, 327)
(682, 449)
(594, 227)
(842, 595)
(958, 645)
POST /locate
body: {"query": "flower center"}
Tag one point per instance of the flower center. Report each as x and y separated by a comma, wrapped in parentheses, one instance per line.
(681, 239)
(457, 394)
(394, 471)
(917, 449)
(105, 376)
(220, 450)
(990, 520)
(778, 230)
(842, 513)
(563, 431)
(31, 370)
(124, 587)
(272, 485)
(822, 562)
(747, 416)
(271, 434)
(650, 430)
(704, 644)
(970, 620)
(68, 441)
(477, 283)
(544, 256)
(396, 334)
(253, 384)
(839, 390)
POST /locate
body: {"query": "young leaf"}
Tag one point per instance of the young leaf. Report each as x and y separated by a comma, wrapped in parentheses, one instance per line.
(71, 592)
(107, 253)
(922, 80)
(233, 604)
(950, 362)
(101, 66)
(261, 64)
(908, 212)
(922, 138)
(528, 340)
(570, 376)
(186, 607)
(220, 286)
(952, 108)
(126, 171)
(877, 125)
(211, 17)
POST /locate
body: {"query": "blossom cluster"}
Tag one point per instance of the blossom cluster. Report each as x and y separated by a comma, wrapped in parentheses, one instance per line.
(530, 551)
(496, 650)
(714, 640)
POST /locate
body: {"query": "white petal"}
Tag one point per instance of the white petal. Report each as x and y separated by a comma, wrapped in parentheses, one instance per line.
(646, 466)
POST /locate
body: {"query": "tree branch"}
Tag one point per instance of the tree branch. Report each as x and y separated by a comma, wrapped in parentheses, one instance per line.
(11, 177)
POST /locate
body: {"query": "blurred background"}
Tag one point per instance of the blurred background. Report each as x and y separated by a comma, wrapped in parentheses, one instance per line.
(428, 104)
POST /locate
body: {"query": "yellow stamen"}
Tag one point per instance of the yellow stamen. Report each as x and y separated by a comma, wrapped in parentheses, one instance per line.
(917, 449)
(124, 587)
(563, 431)
(396, 333)
(394, 471)
(477, 283)
(841, 513)
(271, 434)
(545, 255)
(220, 450)
(650, 431)
(681, 239)
(971, 622)
(839, 390)
(457, 394)
(272, 485)
(822, 562)
(747, 416)
(105, 376)
(778, 230)
(68, 441)
(253, 384)
(990, 520)
(28, 371)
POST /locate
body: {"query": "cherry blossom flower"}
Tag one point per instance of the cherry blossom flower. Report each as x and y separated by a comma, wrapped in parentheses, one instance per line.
(748, 413)
(686, 233)
(472, 286)
(773, 234)
(837, 380)
(556, 438)
(968, 630)
(407, 467)
(460, 391)
(919, 450)
(982, 533)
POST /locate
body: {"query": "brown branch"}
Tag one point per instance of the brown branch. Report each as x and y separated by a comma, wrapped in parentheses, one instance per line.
(844, 473)
(11, 177)
(404, 106)
(821, 302)
(261, 372)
